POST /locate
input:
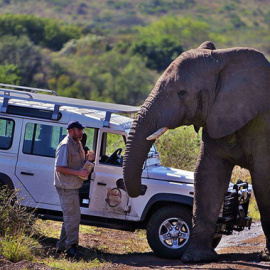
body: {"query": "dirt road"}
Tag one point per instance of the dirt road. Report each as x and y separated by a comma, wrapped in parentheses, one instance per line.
(237, 251)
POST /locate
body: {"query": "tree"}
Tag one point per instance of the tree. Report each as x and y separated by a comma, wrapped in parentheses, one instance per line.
(21, 53)
(41, 31)
(162, 41)
(158, 54)
(179, 148)
(120, 78)
(55, 35)
(9, 74)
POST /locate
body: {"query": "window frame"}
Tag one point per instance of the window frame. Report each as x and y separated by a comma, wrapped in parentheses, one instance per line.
(30, 149)
(12, 133)
(104, 146)
(33, 140)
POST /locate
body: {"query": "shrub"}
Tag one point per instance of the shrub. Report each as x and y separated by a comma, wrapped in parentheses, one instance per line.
(9, 74)
(18, 247)
(41, 31)
(13, 216)
(21, 57)
(179, 148)
(16, 228)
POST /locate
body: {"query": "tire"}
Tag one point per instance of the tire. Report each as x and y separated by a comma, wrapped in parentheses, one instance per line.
(168, 231)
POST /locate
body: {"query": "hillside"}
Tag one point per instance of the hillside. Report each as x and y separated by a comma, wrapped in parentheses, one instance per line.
(114, 50)
(127, 13)
(225, 17)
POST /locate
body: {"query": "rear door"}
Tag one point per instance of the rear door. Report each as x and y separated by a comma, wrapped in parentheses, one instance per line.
(35, 166)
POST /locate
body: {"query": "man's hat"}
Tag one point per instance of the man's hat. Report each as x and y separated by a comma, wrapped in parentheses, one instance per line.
(75, 124)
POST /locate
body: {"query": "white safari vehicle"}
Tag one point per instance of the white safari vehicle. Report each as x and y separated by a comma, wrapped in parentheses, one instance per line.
(33, 122)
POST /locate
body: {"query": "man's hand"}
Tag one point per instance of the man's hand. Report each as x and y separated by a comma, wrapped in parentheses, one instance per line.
(83, 173)
(90, 155)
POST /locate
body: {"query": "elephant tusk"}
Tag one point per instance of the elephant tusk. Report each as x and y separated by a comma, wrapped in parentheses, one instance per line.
(157, 134)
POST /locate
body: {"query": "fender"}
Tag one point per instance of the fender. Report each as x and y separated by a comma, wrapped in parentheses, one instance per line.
(167, 197)
(6, 180)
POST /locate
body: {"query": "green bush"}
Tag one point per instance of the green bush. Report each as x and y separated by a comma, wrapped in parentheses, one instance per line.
(16, 228)
(41, 31)
(179, 148)
(23, 55)
(119, 78)
(9, 74)
(18, 247)
(158, 54)
(13, 217)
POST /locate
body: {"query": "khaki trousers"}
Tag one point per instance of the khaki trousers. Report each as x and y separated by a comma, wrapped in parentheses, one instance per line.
(70, 203)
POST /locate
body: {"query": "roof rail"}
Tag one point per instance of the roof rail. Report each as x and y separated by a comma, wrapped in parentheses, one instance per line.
(59, 101)
(29, 89)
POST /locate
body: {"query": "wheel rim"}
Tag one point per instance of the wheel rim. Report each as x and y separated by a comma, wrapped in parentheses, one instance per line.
(174, 233)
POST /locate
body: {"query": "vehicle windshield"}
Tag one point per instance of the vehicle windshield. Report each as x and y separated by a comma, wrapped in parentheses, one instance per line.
(152, 150)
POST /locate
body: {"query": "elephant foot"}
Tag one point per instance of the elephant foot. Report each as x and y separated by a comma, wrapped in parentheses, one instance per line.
(198, 255)
(265, 255)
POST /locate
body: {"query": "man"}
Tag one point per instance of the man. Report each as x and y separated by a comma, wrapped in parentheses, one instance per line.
(70, 158)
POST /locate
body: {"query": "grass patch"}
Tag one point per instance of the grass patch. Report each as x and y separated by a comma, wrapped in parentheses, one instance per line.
(89, 229)
(253, 209)
(66, 264)
(18, 247)
(48, 228)
(97, 245)
(16, 228)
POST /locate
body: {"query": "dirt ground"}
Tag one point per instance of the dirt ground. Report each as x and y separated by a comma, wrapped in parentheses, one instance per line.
(237, 251)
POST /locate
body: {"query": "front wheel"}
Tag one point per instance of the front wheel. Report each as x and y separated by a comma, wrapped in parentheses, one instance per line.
(168, 231)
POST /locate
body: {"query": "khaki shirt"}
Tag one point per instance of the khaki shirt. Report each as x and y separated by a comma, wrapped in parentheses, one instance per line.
(69, 154)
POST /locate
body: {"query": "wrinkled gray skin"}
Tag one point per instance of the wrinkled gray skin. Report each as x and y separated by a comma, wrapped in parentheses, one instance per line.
(227, 93)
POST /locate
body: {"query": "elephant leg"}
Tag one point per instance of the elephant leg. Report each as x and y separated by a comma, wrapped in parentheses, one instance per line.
(212, 178)
(261, 186)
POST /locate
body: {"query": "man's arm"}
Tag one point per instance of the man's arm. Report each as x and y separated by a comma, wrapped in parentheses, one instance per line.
(66, 170)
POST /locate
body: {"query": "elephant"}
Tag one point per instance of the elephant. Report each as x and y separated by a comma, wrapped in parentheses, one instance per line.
(226, 92)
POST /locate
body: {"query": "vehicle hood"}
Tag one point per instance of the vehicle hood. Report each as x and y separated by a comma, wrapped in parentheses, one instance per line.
(170, 174)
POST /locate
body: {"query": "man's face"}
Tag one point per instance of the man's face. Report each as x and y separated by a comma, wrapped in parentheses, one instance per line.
(76, 134)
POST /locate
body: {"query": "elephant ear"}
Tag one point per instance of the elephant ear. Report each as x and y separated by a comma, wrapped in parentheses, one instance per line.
(243, 91)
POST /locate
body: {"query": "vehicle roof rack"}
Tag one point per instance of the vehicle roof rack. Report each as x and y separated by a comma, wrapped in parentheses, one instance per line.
(8, 92)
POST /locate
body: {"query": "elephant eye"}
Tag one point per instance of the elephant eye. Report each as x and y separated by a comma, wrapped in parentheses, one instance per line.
(182, 93)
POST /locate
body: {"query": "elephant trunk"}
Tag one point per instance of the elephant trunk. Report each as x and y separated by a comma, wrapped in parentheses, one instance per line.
(137, 149)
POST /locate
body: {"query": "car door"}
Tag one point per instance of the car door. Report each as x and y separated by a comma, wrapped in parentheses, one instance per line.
(35, 166)
(9, 141)
(107, 199)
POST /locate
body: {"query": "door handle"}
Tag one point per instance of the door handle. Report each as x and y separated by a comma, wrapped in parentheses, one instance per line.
(102, 184)
(27, 173)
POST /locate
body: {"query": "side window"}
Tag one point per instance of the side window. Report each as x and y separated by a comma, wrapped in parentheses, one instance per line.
(113, 149)
(6, 133)
(89, 139)
(42, 140)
